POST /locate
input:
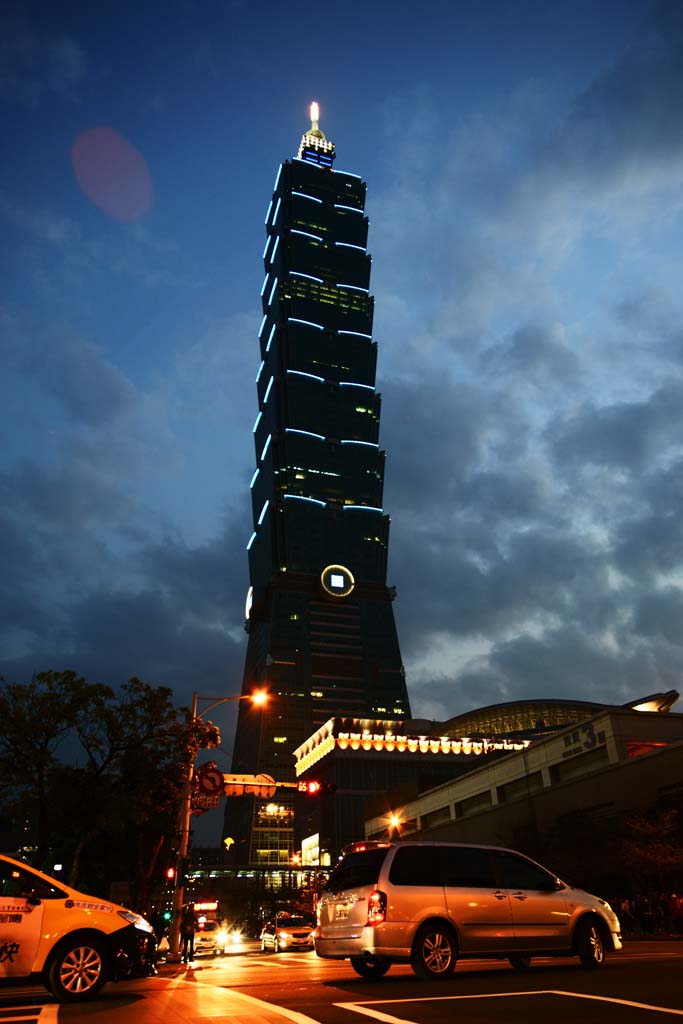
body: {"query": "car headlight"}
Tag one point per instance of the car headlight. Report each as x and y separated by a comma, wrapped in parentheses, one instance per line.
(284, 935)
(135, 919)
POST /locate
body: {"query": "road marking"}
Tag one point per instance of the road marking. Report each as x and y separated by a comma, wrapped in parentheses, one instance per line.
(293, 1015)
(364, 1007)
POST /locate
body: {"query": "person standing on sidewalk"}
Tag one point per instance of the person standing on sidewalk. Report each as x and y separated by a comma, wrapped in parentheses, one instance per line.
(187, 923)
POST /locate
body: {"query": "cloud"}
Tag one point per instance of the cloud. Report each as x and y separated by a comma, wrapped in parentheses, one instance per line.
(71, 371)
(34, 65)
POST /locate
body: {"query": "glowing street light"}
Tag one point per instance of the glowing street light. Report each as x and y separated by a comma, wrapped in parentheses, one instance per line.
(259, 698)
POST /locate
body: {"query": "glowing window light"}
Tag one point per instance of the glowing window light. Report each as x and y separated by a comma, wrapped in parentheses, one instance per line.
(265, 284)
(272, 255)
(251, 540)
(354, 384)
(270, 337)
(309, 277)
(254, 478)
(300, 160)
(353, 287)
(268, 389)
(263, 324)
(306, 234)
(263, 511)
(277, 210)
(266, 446)
(270, 207)
(272, 291)
(301, 497)
(349, 245)
(357, 334)
(277, 179)
(305, 195)
(366, 508)
(269, 239)
(368, 444)
(352, 209)
(256, 423)
(260, 371)
(306, 433)
(308, 323)
(301, 373)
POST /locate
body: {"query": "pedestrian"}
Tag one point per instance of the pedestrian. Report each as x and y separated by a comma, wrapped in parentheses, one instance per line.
(187, 923)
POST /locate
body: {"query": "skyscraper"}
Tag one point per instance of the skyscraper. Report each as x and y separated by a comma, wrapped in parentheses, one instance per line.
(319, 613)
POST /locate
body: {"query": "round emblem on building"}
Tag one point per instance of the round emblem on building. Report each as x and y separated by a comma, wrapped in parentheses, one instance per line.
(337, 580)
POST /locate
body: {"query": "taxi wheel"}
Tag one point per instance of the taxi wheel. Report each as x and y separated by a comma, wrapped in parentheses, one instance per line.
(78, 970)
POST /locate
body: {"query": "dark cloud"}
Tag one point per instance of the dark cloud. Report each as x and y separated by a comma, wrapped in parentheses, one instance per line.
(659, 615)
(626, 125)
(533, 355)
(72, 372)
(34, 64)
(623, 435)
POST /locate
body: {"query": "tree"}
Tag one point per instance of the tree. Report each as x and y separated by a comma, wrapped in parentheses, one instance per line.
(97, 773)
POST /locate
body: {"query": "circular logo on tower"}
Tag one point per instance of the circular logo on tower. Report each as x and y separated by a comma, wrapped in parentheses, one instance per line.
(337, 580)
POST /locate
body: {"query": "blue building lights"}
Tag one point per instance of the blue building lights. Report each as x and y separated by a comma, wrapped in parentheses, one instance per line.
(304, 195)
(302, 373)
(301, 497)
(270, 337)
(307, 323)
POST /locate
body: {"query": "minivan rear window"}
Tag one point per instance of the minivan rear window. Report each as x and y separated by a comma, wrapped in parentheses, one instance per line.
(356, 870)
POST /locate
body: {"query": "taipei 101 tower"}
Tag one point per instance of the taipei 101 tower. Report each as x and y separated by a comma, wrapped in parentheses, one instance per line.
(322, 638)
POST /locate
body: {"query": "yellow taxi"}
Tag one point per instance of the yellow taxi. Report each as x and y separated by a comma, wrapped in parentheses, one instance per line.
(70, 942)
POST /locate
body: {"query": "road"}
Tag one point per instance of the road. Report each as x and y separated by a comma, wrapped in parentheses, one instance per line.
(637, 986)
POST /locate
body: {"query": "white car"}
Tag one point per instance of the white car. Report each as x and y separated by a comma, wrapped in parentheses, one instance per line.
(71, 942)
(211, 937)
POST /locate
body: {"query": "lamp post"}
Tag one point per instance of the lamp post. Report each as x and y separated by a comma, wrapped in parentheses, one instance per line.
(258, 699)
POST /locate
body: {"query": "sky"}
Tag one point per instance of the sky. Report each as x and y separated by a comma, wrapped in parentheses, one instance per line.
(524, 163)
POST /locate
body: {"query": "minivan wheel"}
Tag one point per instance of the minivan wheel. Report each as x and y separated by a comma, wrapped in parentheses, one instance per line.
(520, 963)
(78, 970)
(434, 951)
(369, 968)
(589, 944)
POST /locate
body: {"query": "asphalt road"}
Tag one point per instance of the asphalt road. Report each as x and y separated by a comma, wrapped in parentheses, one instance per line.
(641, 984)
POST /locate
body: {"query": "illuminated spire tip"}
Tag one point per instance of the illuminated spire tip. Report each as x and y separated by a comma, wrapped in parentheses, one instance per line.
(315, 114)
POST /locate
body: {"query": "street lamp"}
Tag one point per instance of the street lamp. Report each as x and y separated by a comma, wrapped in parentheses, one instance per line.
(258, 699)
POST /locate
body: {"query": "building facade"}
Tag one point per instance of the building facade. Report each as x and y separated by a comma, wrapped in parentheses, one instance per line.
(322, 637)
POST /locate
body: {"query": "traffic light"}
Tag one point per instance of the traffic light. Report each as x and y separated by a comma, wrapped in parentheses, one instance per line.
(314, 788)
(170, 874)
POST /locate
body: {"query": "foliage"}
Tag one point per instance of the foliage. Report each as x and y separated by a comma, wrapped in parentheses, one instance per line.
(92, 776)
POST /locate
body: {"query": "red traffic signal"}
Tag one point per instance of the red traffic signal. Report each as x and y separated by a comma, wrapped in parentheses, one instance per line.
(315, 788)
(309, 788)
(170, 874)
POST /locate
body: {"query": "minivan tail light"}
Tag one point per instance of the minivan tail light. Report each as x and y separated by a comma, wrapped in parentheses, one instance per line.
(377, 907)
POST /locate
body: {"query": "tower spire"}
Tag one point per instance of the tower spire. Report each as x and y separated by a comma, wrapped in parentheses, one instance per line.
(314, 146)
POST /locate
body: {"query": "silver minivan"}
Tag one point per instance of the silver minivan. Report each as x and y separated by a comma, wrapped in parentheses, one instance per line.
(430, 904)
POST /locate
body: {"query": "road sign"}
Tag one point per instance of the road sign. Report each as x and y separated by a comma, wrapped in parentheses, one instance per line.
(210, 781)
(251, 785)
